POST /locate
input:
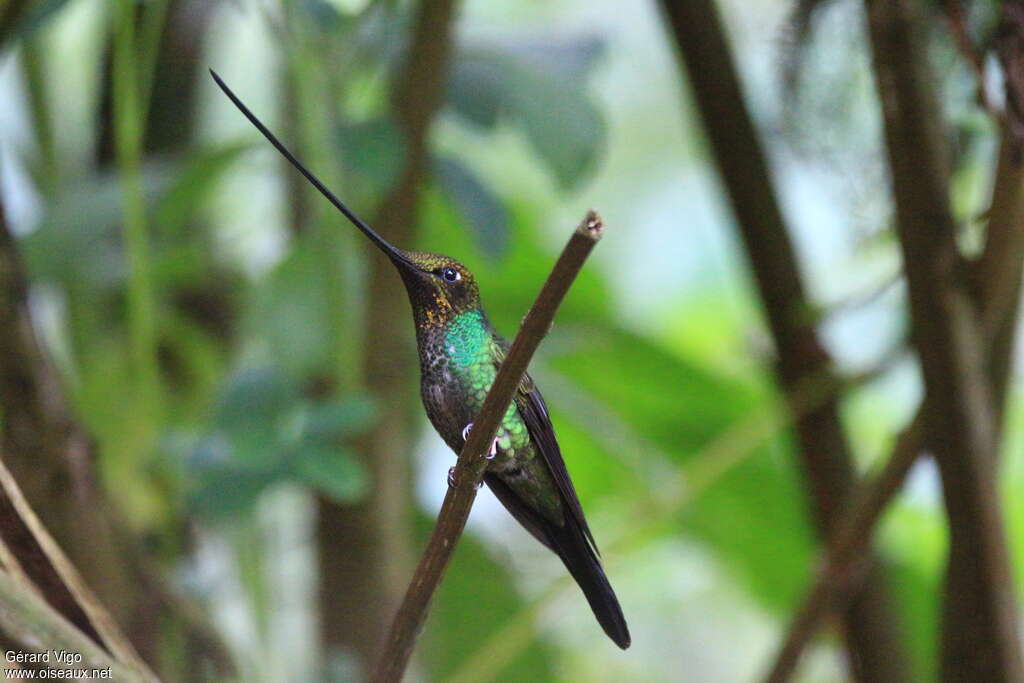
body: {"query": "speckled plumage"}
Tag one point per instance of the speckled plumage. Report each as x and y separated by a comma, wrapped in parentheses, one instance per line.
(459, 358)
(458, 364)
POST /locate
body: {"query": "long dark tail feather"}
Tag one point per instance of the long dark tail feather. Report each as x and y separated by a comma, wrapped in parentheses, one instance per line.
(571, 544)
(581, 561)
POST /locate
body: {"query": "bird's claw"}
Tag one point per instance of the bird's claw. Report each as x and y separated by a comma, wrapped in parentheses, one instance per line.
(494, 444)
(451, 479)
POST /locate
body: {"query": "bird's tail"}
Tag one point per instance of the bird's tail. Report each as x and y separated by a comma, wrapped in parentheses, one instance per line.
(581, 560)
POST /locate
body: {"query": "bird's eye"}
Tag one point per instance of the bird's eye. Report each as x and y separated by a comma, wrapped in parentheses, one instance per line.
(451, 275)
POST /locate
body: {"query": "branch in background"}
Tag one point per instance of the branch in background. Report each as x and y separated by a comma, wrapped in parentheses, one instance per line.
(12, 14)
(28, 620)
(979, 632)
(101, 626)
(839, 571)
(48, 454)
(52, 459)
(997, 281)
(868, 624)
(470, 466)
(844, 566)
(375, 556)
(997, 273)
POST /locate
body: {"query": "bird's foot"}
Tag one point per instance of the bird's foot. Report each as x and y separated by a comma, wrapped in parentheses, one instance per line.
(494, 444)
(451, 479)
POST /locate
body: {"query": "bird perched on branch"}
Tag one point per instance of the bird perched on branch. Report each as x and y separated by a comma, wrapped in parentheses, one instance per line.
(459, 358)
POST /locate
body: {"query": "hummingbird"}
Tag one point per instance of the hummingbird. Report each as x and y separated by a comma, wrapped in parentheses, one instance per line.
(460, 353)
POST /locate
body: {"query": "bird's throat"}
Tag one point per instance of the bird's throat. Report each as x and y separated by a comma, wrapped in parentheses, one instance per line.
(466, 337)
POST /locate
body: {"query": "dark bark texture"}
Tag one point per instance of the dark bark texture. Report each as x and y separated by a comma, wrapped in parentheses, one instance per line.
(980, 638)
(868, 624)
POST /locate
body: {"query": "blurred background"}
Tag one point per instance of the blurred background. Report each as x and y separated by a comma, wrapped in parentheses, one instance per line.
(256, 476)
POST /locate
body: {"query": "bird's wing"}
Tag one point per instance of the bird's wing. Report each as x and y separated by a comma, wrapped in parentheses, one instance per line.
(534, 413)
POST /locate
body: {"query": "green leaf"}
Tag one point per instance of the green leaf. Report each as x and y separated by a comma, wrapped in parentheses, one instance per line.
(754, 515)
(476, 88)
(561, 122)
(570, 59)
(332, 471)
(291, 311)
(323, 15)
(373, 149)
(551, 106)
(479, 207)
(78, 242)
(327, 421)
(255, 398)
(228, 491)
(195, 181)
(37, 15)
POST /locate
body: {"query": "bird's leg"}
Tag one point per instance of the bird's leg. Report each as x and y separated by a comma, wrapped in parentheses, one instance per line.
(494, 444)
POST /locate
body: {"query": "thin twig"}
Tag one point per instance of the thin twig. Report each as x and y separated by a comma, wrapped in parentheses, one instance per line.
(111, 636)
(31, 622)
(470, 466)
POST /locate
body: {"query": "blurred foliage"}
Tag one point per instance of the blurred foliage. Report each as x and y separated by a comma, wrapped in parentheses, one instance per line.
(264, 433)
(551, 105)
(249, 320)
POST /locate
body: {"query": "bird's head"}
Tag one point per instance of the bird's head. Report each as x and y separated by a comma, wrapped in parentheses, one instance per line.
(439, 287)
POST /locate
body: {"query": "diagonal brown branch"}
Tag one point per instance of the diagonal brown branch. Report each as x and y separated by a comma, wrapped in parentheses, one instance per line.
(844, 566)
(34, 624)
(470, 466)
(42, 441)
(51, 457)
(868, 624)
(106, 629)
(1001, 262)
(979, 631)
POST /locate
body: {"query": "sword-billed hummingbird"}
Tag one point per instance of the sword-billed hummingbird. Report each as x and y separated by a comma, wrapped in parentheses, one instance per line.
(459, 357)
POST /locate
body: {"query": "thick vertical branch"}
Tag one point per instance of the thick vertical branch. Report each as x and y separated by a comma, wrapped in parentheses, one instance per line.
(997, 273)
(868, 623)
(980, 638)
(1001, 262)
(843, 570)
(362, 576)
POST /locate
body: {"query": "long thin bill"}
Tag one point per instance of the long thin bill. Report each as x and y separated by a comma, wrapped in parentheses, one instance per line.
(385, 246)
